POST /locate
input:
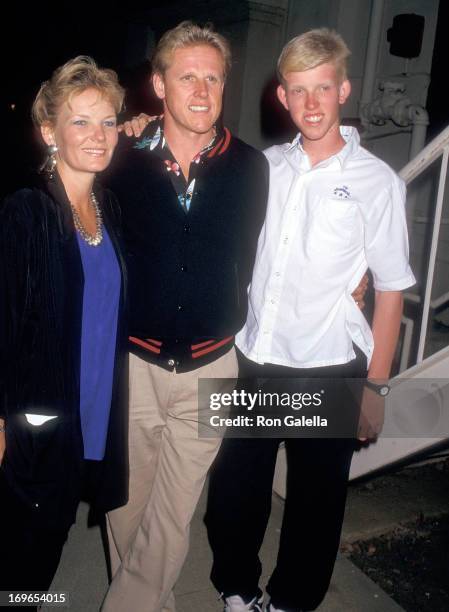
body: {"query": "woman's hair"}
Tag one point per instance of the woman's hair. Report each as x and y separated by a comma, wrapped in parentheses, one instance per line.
(74, 77)
(311, 49)
(188, 34)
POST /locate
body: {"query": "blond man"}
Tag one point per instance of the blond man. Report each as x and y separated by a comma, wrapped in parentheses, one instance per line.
(193, 200)
(334, 210)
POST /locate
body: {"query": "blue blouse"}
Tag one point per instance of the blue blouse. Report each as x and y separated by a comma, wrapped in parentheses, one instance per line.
(102, 283)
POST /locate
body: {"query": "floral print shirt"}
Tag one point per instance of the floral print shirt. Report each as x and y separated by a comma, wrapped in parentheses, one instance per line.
(155, 142)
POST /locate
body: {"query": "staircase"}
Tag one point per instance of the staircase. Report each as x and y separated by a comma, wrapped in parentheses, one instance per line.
(419, 401)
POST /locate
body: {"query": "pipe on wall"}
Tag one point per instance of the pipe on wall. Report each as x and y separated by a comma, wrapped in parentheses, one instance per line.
(419, 118)
(374, 36)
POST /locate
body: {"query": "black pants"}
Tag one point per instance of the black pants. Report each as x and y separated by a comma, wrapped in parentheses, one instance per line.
(239, 506)
(31, 548)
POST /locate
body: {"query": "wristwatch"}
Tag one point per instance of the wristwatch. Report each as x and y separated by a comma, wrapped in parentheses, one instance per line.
(380, 389)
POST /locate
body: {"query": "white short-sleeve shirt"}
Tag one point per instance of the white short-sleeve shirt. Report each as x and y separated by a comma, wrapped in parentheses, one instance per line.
(325, 226)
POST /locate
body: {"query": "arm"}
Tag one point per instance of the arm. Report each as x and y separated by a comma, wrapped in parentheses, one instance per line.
(3, 336)
(14, 275)
(386, 249)
(2, 439)
(386, 323)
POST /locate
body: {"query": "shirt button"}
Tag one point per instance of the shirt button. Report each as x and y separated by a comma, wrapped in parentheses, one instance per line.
(183, 268)
(171, 362)
(273, 301)
(179, 307)
(278, 273)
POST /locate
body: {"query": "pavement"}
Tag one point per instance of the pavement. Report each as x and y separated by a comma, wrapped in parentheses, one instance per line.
(375, 507)
(382, 504)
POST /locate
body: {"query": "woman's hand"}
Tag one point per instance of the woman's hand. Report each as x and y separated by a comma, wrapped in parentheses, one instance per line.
(136, 125)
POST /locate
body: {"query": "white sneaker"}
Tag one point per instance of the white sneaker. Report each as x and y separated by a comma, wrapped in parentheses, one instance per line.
(235, 603)
(271, 608)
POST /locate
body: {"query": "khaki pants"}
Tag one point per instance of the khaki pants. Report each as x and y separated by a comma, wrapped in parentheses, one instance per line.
(149, 537)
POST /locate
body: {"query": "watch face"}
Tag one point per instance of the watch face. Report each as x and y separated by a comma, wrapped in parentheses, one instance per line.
(385, 390)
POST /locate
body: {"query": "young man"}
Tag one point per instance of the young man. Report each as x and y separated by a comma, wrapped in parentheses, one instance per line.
(193, 200)
(334, 210)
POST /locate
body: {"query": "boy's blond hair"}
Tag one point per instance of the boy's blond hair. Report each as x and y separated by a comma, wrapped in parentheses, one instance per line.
(311, 49)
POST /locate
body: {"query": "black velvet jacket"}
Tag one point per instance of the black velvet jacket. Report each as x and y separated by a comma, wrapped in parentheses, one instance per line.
(41, 297)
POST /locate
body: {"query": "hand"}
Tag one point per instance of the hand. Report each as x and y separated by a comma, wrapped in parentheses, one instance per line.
(372, 414)
(359, 292)
(136, 125)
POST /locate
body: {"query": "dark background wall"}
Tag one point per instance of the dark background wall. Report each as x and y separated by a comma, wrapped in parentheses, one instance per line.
(35, 38)
(38, 37)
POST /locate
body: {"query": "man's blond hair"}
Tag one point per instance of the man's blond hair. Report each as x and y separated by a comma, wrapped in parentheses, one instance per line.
(188, 34)
(311, 49)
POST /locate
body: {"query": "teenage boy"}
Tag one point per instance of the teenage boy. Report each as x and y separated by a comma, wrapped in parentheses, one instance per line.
(334, 210)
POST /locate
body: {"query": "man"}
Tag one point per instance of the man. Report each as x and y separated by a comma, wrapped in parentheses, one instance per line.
(193, 199)
(333, 211)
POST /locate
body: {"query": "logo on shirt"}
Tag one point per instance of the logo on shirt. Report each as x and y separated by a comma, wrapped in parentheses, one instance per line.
(342, 192)
(151, 142)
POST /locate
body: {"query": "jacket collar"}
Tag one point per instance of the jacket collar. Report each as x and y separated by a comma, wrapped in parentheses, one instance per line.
(55, 188)
(153, 139)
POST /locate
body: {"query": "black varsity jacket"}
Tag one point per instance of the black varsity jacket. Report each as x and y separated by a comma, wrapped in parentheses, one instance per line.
(189, 272)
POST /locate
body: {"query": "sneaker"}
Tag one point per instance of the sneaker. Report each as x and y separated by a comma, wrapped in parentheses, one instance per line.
(235, 603)
(271, 608)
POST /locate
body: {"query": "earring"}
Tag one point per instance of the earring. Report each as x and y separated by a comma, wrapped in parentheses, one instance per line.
(49, 164)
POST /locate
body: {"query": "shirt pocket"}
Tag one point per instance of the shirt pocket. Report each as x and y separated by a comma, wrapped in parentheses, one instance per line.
(332, 224)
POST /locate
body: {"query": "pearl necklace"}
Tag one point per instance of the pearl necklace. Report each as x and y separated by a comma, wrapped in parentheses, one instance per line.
(91, 239)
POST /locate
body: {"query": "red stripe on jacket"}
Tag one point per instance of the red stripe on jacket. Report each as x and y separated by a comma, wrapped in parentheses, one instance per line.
(209, 349)
(145, 345)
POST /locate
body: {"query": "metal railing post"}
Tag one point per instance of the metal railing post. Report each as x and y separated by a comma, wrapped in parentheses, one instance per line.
(433, 254)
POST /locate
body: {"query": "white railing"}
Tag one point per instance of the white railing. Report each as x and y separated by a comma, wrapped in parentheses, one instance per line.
(426, 157)
(438, 147)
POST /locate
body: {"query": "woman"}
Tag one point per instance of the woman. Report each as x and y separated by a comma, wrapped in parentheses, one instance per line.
(62, 337)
